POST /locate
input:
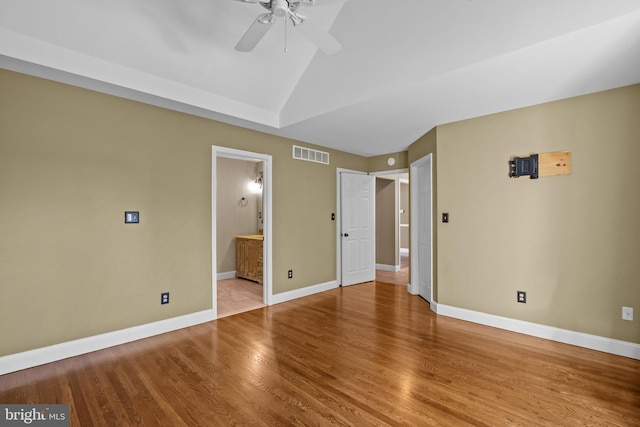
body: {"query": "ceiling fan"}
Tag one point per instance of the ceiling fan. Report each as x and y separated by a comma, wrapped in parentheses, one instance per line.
(286, 9)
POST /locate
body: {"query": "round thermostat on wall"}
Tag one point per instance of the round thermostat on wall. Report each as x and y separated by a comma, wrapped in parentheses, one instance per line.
(391, 161)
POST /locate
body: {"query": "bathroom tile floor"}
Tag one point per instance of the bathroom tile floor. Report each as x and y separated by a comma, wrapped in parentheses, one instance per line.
(237, 296)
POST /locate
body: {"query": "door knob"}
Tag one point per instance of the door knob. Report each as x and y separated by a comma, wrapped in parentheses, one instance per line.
(346, 234)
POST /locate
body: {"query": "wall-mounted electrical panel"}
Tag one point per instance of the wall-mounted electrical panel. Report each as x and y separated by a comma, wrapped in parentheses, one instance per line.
(524, 166)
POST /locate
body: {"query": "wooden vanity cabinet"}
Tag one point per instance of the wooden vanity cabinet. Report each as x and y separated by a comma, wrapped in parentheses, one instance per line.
(249, 257)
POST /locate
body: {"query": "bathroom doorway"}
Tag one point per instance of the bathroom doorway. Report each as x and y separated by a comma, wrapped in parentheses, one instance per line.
(241, 225)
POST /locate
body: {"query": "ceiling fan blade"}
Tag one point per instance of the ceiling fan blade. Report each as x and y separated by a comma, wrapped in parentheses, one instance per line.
(317, 2)
(318, 36)
(255, 33)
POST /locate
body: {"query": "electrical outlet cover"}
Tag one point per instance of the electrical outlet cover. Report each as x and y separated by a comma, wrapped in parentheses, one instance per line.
(627, 313)
(522, 297)
(164, 298)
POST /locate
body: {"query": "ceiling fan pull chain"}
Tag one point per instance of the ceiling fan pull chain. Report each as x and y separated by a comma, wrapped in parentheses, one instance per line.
(285, 35)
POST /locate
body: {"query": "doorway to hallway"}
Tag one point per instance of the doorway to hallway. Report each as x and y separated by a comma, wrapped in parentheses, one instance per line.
(392, 227)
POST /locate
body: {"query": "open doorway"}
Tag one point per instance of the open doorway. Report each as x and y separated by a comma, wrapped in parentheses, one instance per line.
(392, 228)
(241, 225)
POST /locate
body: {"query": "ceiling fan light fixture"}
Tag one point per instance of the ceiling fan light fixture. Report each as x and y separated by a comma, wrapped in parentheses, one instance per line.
(296, 19)
(267, 18)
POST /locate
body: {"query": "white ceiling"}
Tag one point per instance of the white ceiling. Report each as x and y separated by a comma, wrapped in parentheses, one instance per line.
(405, 67)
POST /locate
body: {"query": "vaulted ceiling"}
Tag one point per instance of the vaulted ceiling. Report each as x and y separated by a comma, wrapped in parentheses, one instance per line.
(405, 66)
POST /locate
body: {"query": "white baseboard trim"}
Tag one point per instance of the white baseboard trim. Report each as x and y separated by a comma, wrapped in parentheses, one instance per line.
(303, 292)
(226, 275)
(385, 267)
(580, 339)
(52, 353)
(40, 356)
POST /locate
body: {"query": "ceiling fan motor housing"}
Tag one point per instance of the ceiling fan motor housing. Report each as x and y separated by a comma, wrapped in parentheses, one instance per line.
(280, 8)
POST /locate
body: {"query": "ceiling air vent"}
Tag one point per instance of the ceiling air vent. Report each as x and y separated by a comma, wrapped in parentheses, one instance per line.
(310, 155)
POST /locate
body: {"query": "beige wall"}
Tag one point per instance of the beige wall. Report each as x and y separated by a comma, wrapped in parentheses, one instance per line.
(72, 161)
(234, 216)
(304, 197)
(571, 242)
(379, 163)
(386, 223)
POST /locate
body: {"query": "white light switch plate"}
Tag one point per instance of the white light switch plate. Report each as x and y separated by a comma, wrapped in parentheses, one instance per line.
(627, 313)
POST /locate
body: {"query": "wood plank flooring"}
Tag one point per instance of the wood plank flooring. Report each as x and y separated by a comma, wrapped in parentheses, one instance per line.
(362, 355)
(398, 278)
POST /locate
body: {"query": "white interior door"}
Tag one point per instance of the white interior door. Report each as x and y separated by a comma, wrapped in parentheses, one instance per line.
(421, 216)
(357, 233)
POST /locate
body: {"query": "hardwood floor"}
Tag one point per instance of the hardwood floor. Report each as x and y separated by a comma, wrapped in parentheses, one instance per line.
(398, 278)
(362, 355)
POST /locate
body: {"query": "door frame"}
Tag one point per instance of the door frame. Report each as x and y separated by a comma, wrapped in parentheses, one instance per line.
(414, 187)
(397, 200)
(267, 246)
(400, 182)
